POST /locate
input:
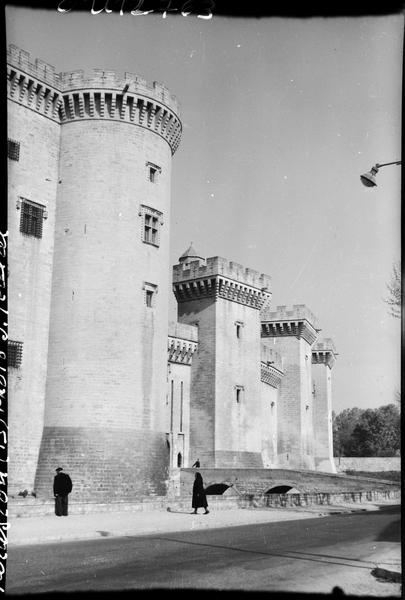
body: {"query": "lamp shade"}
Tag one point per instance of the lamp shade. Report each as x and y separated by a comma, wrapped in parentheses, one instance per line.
(368, 179)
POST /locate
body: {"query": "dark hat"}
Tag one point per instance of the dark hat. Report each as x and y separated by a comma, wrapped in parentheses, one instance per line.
(59, 469)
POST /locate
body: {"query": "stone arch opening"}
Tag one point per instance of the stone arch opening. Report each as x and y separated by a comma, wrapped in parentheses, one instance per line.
(179, 460)
(216, 489)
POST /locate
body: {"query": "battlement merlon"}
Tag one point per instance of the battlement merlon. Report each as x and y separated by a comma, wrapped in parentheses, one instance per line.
(324, 352)
(217, 265)
(94, 79)
(298, 322)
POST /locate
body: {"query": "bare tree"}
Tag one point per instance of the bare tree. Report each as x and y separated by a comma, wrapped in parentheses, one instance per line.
(394, 287)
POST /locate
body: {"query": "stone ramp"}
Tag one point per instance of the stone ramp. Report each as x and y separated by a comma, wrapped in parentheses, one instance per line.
(256, 482)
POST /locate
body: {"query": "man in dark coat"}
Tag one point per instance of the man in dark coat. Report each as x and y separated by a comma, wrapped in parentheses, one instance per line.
(62, 486)
(199, 497)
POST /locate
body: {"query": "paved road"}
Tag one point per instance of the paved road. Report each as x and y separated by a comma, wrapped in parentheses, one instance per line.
(312, 555)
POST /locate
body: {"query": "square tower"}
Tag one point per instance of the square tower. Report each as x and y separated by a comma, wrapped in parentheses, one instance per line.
(224, 300)
(292, 333)
(323, 359)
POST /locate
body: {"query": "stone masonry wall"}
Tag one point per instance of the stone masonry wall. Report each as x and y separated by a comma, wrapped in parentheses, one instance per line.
(201, 312)
(294, 418)
(270, 401)
(108, 349)
(104, 464)
(237, 422)
(34, 177)
(323, 440)
(178, 413)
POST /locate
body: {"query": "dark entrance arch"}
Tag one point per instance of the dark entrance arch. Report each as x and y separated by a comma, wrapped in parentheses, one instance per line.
(279, 489)
(216, 489)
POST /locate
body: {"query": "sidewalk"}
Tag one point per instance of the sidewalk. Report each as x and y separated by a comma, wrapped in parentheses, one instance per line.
(49, 528)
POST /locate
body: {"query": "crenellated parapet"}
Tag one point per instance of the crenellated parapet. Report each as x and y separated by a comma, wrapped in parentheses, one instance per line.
(182, 342)
(299, 322)
(271, 366)
(221, 278)
(324, 352)
(105, 95)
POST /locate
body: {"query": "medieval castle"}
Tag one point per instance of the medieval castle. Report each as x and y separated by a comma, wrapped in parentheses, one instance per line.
(99, 382)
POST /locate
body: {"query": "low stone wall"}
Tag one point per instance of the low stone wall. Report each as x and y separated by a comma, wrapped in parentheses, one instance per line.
(32, 507)
(291, 500)
(373, 464)
(35, 508)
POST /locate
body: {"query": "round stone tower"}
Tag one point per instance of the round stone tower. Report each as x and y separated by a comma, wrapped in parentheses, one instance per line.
(106, 380)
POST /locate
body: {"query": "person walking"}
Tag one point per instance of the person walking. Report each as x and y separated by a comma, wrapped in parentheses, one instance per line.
(196, 464)
(62, 486)
(199, 496)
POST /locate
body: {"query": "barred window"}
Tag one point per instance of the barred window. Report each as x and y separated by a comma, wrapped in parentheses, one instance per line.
(14, 354)
(32, 216)
(151, 223)
(13, 149)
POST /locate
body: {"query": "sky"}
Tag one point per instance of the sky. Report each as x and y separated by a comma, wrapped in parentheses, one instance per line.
(280, 117)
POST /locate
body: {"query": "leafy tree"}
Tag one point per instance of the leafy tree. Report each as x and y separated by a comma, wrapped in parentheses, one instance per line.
(394, 287)
(371, 432)
(343, 426)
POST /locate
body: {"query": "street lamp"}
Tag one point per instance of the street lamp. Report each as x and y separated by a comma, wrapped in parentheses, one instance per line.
(368, 179)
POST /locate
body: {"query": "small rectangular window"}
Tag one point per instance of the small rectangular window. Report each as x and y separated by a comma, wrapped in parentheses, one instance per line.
(13, 149)
(239, 393)
(149, 297)
(150, 293)
(14, 354)
(31, 219)
(153, 172)
(239, 326)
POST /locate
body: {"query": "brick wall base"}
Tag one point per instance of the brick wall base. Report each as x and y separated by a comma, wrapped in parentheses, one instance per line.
(105, 465)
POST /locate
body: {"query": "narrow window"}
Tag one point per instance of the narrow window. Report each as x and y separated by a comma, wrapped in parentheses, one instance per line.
(181, 406)
(150, 292)
(13, 149)
(31, 219)
(239, 393)
(154, 231)
(14, 354)
(239, 326)
(179, 460)
(149, 297)
(171, 404)
(153, 172)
